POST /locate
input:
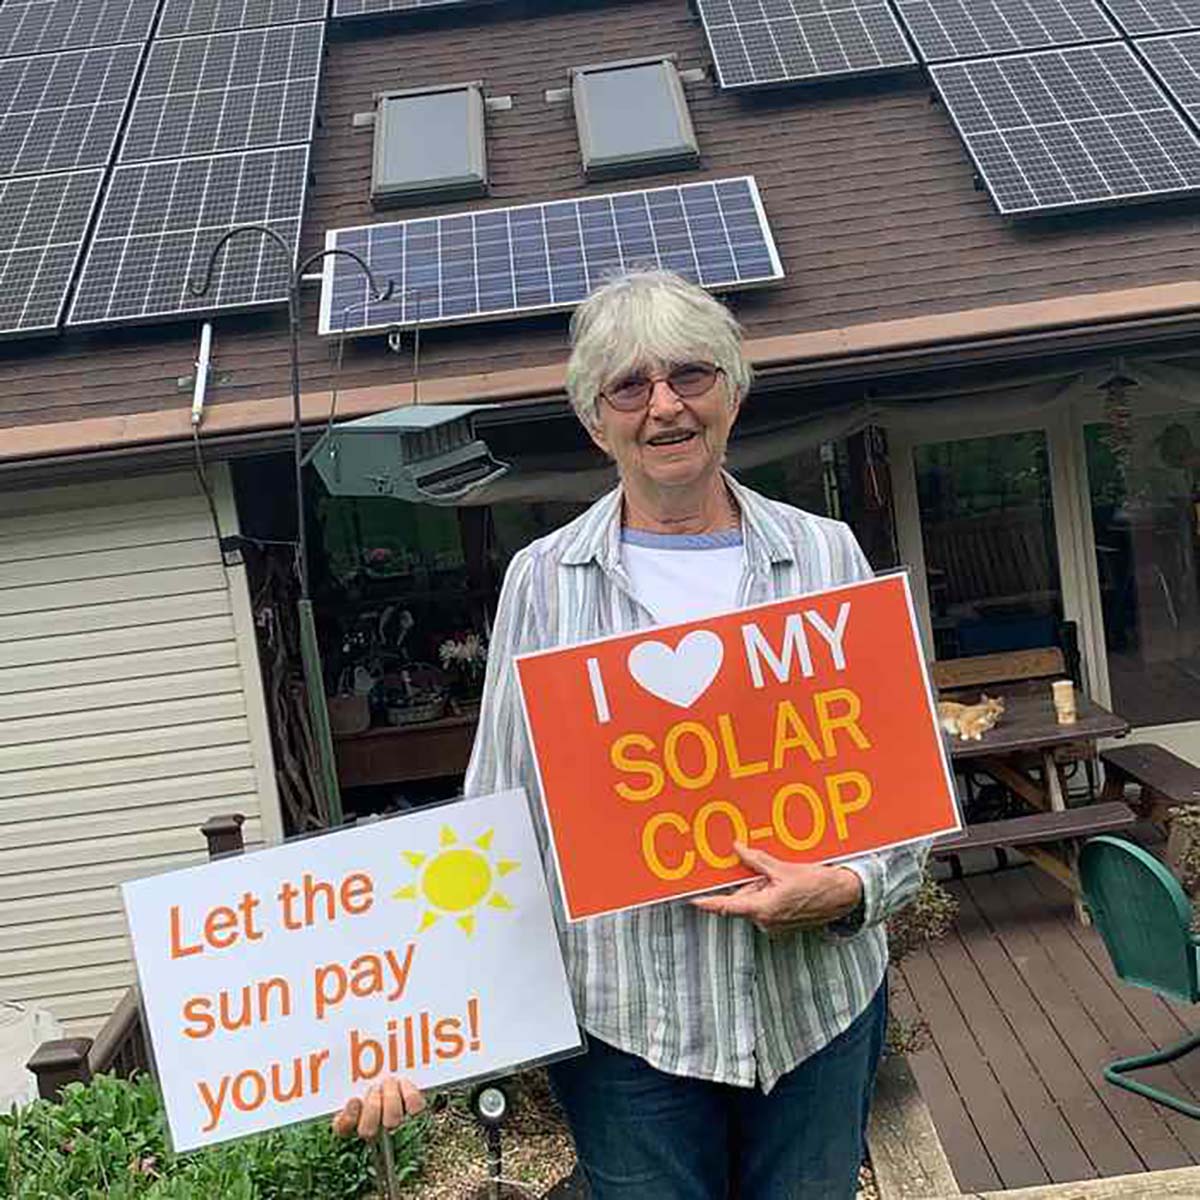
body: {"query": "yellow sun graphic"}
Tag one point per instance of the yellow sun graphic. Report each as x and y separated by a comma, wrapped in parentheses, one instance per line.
(456, 880)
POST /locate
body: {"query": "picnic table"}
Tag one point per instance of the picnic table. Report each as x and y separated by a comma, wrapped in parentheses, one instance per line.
(1029, 732)
(1026, 752)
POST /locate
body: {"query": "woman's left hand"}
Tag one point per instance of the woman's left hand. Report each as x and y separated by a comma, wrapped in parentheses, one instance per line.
(787, 895)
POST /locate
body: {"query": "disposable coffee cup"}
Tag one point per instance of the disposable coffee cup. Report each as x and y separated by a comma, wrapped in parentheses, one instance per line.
(1064, 701)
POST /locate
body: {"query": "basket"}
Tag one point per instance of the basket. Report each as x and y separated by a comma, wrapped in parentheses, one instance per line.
(416, 714)
(348, 714)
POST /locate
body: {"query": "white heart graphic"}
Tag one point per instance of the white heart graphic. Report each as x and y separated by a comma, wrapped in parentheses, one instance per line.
(680, 676)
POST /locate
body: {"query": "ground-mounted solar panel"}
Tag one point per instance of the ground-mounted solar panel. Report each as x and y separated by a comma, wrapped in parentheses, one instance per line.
(949, 29)
(1141, 17)
(1068, 129)
(1175, 59)
(757, 43)
(226, 91)
(183, 17)
(46, 26)
(158, 225)
(368, 8)
(43, 220)
(61, 112)
(501, 262)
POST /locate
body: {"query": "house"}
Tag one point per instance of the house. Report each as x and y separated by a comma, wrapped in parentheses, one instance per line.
(1003, 401)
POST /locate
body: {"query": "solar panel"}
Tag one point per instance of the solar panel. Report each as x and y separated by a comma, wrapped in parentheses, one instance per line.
(1138, 17)
(757, 42)
(500, 262)
(44, 26)
(42, 224)
(367, 8)
(182, 17)
(1066, 129)
(946, 29)
(226, 91)
(1176, 61)
(160, 221)
(59, 112)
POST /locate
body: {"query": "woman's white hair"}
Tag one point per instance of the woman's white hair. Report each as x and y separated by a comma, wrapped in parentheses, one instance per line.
(649, 319)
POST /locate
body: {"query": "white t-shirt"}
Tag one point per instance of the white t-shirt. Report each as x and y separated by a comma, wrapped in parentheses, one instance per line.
(684, 576)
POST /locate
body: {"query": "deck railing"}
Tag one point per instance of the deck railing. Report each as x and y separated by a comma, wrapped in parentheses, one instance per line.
(120, 1047)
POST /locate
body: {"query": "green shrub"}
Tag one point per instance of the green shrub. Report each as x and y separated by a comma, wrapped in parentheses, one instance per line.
(926, 918)
(108, 1141)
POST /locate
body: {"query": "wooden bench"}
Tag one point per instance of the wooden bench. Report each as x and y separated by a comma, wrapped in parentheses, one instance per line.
(1027, 667)
(1014, 671)
(1039, 829)
(1163, 779)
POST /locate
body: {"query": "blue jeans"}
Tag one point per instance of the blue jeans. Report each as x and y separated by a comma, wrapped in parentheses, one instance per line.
(644, 1135)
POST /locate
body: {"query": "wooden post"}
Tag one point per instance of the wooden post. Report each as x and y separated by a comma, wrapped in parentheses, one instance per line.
(60, 1062)
(224, 834)
(1058, 802)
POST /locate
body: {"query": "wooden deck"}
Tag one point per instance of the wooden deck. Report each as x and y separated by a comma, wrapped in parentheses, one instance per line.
(1023, 1012)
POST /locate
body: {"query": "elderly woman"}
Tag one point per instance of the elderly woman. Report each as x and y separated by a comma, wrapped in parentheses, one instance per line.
(733, 1039)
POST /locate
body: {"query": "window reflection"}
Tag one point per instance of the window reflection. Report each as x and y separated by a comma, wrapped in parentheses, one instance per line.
(988, 531)
(1143, 478)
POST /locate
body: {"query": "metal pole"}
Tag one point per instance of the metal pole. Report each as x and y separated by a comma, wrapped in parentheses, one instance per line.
(297, 428)
(495, 1165)
(310, 649)
(310, 654)
(385, 1166)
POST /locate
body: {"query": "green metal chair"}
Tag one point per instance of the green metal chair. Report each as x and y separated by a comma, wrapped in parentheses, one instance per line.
(1145, 920)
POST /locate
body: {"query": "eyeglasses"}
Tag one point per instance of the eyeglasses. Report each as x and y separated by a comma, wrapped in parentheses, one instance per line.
(687, 381)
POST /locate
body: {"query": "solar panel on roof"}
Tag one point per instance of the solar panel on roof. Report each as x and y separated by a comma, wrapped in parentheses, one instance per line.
(1176, 61)
(182, 17)
(1067, 129)
(226, 91)
(42, 224)
(60, 112)
(946, 29)
(757, 42)
(367, 8)
(44, 26)
(502, 262)
(1138, 17)
(160, 221)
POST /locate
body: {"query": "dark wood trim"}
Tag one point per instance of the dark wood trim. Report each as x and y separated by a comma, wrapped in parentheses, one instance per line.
(60, 1062)
(224, 834)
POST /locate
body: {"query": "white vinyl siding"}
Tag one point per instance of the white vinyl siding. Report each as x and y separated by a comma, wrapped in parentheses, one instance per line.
(131, 711)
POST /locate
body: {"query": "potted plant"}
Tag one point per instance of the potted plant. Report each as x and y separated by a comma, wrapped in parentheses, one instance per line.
(464, 659)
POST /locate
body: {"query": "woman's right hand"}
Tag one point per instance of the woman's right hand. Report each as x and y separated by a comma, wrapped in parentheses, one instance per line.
(386, 1104)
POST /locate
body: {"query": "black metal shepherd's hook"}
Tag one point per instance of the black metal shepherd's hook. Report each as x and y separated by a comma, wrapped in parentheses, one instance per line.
(309, 652)
(295, 278)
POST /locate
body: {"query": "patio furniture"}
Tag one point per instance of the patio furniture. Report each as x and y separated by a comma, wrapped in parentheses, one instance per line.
(1018, 672)
(1025, 752)
(987, 670)
(1145, 920)
(1163, 779)
(1038, 829)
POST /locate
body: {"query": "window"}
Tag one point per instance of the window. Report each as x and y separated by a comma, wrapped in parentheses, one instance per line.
(429, 144)
(632, 117)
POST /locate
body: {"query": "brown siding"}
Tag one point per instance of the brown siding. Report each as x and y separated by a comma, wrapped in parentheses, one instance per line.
(867, 188)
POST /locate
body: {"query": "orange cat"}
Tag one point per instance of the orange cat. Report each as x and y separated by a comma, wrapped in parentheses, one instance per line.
(970, 721)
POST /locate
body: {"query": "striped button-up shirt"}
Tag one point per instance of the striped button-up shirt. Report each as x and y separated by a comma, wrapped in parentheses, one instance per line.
(690, 992)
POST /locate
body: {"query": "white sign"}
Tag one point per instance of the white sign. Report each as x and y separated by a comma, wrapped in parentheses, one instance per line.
(278, 984)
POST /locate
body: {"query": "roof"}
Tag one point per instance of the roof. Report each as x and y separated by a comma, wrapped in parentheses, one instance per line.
(884, 240)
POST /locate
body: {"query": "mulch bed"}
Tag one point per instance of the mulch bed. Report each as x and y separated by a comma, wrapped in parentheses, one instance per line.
(536, 1148)
(537, 1155)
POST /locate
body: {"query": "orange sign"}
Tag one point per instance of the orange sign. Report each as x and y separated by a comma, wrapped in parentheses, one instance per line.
(804, 727)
